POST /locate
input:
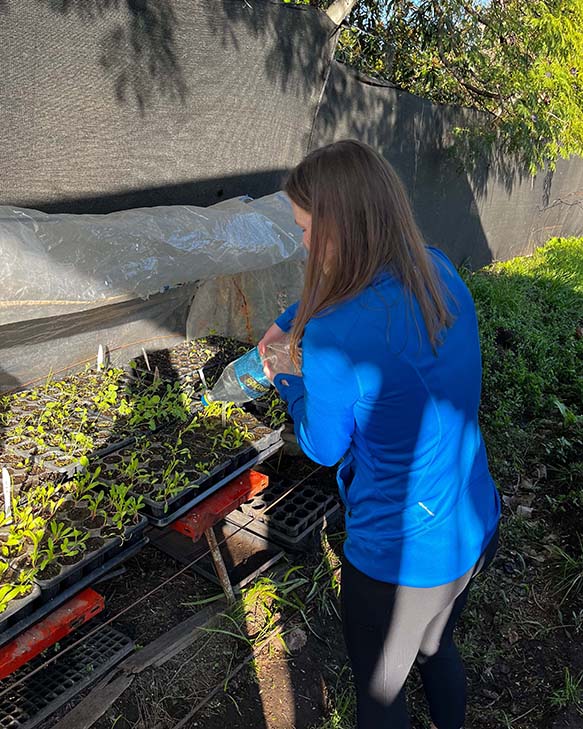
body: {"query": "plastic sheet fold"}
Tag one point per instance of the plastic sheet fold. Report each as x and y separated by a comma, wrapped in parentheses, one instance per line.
(53, 264)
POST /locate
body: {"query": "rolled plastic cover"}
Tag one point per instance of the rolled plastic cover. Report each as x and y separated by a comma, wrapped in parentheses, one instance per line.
(59, 263)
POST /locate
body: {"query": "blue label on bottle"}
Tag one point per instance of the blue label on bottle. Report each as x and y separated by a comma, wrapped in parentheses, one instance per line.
(249, 372)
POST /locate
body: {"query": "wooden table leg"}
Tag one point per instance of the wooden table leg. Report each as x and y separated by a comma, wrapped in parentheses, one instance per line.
(219, 563)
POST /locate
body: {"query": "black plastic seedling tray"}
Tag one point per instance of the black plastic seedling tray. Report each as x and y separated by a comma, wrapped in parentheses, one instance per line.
(29, 614)
(196, 498)
(159, 511)
(19, 609)
(286, 518)
(72, 574)
(75, 466)
(37, 696)
(298, 543)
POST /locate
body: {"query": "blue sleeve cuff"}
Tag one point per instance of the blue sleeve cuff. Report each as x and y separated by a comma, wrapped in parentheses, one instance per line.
(285, 320)
(291, 391)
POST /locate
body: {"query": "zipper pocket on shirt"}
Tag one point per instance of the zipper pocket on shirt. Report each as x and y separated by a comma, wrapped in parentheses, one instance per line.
(344, 478)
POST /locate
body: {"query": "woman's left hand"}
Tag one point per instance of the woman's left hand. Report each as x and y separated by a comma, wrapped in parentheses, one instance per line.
(276, 359)
(271, 370)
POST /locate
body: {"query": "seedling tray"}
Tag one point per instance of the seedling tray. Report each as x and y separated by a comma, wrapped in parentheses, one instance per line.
(49, 458)
(40, 609)
(42, 693)
(159, 510)
(196, 498)
(19, 609)
(190, 356)
(292, 519)
(24, 477)
(70, 575)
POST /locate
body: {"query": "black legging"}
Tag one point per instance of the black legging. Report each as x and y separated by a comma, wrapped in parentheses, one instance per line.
(388, 627)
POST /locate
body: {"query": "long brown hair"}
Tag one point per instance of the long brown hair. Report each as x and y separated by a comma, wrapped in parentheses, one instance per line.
(360, 209)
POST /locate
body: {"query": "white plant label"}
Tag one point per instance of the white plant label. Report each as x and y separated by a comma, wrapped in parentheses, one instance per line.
(147, 361)
(100, 357)
(202, 379)
(7, 489)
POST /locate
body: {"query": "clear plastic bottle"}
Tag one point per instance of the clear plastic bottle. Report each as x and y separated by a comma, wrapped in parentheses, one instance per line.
(241, 381)
(244, 379)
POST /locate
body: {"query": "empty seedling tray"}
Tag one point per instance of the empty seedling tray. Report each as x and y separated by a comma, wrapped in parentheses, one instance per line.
(38, 696)
(286, 516)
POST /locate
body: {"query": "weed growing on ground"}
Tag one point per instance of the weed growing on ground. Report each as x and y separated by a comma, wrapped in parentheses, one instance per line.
(570, 693)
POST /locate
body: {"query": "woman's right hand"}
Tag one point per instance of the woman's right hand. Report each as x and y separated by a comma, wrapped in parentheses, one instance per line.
(274, 335)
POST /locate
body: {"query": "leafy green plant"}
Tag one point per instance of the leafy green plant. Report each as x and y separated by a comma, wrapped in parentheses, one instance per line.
(173, 483)
(528, 312)
(44, 556)
(122, 506)
(157, 404)
(232, 437)
(205, 467)
(94, 502)
(45, 499)
(517, 63)
(276, 412)
(20, 587)
(73, 544)
(25, 525)
(85, 482)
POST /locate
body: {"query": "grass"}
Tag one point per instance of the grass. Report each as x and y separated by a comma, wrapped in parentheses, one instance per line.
(570, 693)
(525, 612)
(530, 317)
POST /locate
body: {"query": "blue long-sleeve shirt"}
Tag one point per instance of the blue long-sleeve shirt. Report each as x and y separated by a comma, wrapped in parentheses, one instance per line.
(421, 505)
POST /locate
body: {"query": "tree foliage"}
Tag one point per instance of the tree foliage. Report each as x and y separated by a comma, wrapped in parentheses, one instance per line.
(518, 61)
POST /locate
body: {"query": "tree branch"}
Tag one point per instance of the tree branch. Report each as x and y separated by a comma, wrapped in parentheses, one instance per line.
(339, 10)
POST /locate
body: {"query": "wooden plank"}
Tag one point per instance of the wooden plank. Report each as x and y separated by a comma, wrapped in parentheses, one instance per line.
(156, 653)
(95, 704)
(182, 635)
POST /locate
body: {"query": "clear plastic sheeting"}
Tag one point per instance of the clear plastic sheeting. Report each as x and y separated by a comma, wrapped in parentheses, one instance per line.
(57, 264)
(245, 305)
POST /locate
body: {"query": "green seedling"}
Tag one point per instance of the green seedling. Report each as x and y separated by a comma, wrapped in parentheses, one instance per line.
(73, 544)
(94, 502)
(13, 590)
(276, 412)
(232, 437)
(124, 507)
(84, 483)
(173, 483)
(45, 499)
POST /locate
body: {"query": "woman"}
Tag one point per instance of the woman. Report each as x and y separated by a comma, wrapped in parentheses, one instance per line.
(390, 384)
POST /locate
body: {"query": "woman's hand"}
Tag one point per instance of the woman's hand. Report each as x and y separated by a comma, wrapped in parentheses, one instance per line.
(274, 335)
(274, 351)
(271, 371)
